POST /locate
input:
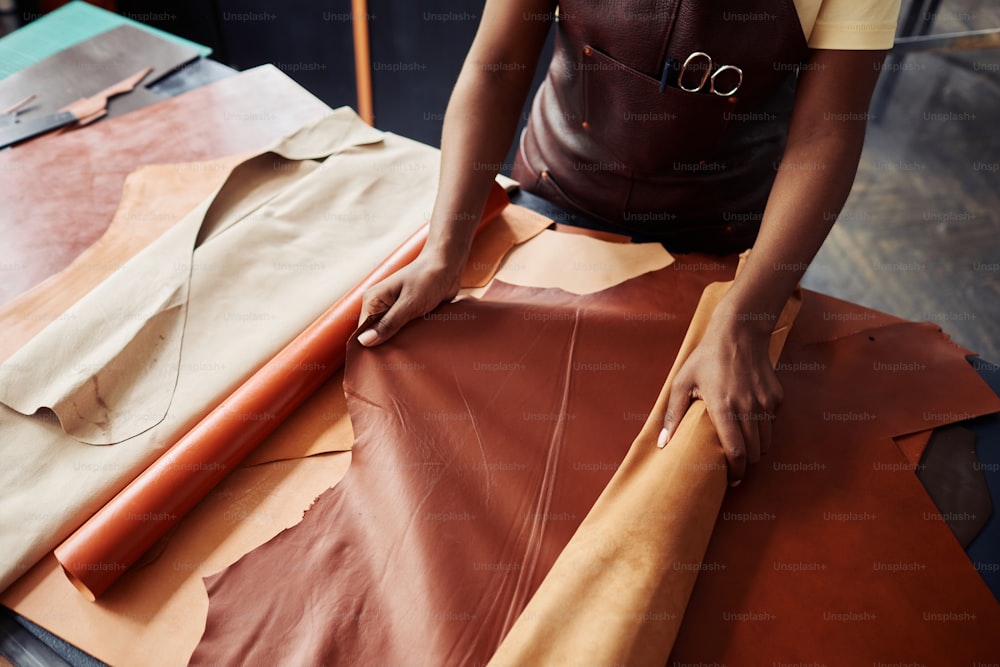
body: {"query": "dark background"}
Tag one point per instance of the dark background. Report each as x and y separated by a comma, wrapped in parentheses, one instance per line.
(417, 48)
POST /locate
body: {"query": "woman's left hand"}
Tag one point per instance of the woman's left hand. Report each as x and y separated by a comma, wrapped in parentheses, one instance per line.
(730, 371)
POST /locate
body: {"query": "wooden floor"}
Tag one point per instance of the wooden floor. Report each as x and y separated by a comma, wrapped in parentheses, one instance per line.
(920, 234)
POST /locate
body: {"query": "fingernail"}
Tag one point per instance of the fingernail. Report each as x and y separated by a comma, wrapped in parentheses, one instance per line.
(367, 337)
(661, 441)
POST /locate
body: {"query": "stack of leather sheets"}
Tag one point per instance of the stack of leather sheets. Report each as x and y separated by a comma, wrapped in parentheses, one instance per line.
(505, 490)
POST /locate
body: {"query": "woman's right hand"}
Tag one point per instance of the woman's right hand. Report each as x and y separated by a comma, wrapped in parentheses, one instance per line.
(413, 291)
(479, 126)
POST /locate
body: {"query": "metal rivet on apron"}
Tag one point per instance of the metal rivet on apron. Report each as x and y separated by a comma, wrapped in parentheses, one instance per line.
(587, 51)
(544, 175)
(585, 125)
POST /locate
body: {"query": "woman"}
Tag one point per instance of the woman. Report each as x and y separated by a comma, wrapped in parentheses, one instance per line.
(708, 128)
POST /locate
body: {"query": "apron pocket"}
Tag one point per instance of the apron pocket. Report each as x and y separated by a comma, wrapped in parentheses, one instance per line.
(645, 129)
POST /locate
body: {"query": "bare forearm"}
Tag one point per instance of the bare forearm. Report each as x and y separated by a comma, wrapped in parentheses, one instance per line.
(812, 185)
(482, 117)
(478, 129)
(815, 177)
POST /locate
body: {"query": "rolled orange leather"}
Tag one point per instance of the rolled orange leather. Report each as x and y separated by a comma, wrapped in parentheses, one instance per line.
(617, 593)
(112, 540)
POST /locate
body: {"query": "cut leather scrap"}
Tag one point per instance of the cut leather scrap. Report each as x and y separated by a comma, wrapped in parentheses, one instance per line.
(68, 186)
(83, 69)
(108, 368)
(517, 225)
(455, 508)
(577, 263)
(255, 285)
(912, 351)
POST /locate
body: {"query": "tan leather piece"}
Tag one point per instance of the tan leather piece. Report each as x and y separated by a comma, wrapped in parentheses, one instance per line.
(52, 214)
(518, 224)
(578, 263)
(93, 107)
(475, 463)
(154, 197)
(618, 572)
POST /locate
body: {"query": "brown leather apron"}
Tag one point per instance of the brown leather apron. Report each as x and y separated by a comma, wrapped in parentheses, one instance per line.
(692, 169)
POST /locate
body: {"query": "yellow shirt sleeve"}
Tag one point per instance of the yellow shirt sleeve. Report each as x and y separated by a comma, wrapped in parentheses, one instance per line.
(848, 24)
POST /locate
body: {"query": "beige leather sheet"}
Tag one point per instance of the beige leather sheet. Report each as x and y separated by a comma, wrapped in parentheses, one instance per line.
(234, 280)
